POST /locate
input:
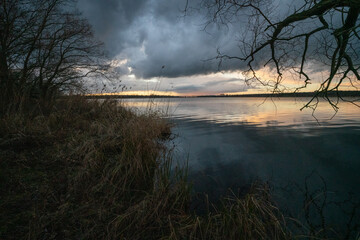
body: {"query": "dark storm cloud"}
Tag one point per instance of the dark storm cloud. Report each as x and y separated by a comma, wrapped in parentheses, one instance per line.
(155, 33)
(158, 40)
(111, 19)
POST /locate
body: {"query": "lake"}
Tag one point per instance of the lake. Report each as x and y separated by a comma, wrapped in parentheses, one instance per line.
(310, 159)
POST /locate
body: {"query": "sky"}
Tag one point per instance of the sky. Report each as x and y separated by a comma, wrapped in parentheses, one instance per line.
(154, 47)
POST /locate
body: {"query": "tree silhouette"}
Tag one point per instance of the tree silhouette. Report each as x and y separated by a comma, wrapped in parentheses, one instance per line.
(325, 32)
(46, 47)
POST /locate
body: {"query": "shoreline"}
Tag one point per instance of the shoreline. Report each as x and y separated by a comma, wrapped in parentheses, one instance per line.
(266, 95)
(97, 170)
(94, 170)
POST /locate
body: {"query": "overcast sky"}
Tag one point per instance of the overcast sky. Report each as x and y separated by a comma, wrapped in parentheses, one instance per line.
(153, 46)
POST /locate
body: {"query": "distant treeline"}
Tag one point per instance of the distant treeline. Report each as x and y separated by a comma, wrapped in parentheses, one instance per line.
(129, 96)
(293, 94)
(302, 94)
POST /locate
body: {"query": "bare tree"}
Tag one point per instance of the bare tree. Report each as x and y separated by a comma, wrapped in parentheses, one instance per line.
(46, 48)
(325, 32)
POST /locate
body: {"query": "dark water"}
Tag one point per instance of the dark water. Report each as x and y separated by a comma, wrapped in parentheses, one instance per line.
(311, 162)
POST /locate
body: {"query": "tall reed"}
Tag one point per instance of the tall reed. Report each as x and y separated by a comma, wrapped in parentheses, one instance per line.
(95, 170)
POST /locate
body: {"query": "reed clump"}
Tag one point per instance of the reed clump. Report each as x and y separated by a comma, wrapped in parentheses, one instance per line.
(95, 170)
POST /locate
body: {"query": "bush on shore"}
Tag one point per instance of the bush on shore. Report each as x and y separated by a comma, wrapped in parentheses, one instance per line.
(95, 170)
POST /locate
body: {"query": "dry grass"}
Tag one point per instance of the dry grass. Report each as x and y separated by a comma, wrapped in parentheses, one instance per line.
(91, 170)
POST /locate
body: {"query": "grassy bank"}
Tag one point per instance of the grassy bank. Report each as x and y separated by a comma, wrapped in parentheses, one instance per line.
(91, 170)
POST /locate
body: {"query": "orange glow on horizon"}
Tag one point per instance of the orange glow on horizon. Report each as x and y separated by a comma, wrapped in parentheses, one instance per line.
(160, 93)
(290, 82)
(167, 93)
(138, 93)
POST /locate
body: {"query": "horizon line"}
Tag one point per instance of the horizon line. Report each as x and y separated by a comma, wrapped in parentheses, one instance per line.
(286, 94)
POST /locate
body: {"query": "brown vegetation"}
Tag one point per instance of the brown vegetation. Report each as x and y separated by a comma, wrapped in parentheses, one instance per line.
(92, 170)
(46, 48)
(323, 33)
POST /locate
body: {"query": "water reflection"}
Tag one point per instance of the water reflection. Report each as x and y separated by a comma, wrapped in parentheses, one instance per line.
(230, 142)
(253, 111)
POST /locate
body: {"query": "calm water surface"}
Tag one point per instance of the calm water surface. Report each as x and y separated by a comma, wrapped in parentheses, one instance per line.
(232, 142)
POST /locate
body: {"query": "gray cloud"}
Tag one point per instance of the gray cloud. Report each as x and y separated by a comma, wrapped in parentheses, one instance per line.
(222, 82)
(151, 34)
(213, 86)
(187, 89)
(154, 33)
(112, 19)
